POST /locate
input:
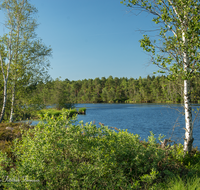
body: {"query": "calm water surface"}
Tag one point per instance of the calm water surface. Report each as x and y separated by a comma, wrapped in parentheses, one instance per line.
(142, 118)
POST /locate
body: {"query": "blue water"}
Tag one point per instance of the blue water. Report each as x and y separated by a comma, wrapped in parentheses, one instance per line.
(142, 118)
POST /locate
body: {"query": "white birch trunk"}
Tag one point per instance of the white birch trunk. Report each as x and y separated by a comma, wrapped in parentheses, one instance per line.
(4, 100)
(6, 77)
(188, 118)
(12, 104)
(188, 141)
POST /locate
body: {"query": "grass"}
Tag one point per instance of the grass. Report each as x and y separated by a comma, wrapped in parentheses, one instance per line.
(55, 113)
(82, 110)
(178, 183)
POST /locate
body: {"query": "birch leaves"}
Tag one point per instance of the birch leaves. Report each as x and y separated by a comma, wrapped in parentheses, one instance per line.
(24, 54)
(174, 18)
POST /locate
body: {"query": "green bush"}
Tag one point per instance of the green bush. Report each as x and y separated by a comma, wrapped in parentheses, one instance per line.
(57, 154)
(63, 158)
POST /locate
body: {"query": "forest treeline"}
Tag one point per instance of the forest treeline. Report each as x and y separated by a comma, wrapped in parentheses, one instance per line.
(66, 93)
(114, 90)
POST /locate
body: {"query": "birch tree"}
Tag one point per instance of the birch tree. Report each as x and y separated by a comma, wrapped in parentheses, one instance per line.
(176, 50)
(20, 18)
(5, 63)
(28, 62)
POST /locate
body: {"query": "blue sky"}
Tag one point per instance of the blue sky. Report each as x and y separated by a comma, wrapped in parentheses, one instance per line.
(93, 38)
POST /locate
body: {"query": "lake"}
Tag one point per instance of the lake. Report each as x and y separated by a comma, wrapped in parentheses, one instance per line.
(142, 118)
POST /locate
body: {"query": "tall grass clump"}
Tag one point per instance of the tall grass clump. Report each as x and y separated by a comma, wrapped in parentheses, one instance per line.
(178, 183)
(57, 154)
(82, 110)
(55, 113)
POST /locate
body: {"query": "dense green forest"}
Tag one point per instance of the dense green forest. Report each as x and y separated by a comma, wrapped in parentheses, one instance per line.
(112, 90)
(66, 93)
(115, 90)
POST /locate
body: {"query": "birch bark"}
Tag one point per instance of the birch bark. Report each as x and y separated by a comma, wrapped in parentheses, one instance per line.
(5, 77)
(12, 103)
(188, 118)
(188, 140)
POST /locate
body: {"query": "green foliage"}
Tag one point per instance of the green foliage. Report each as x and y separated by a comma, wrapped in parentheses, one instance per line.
(24, 57)
(143, 90)
(4, 164)
(177, 33)
(149, 89)
(54, 113)
(57, 154)
(178, 183)
(60, 155)
(82, 110)
(152, 139)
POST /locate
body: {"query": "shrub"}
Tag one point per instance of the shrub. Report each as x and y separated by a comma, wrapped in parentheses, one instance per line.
(67, 159)
(57, 154)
